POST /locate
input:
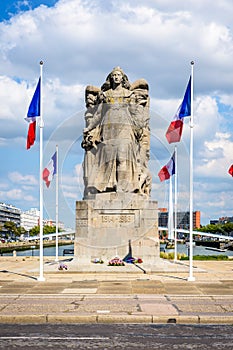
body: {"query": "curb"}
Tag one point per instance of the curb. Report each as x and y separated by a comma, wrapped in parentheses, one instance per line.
(106, 319)
(16, 319)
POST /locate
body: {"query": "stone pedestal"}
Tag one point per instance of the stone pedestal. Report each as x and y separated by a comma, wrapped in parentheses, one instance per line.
(106, 222)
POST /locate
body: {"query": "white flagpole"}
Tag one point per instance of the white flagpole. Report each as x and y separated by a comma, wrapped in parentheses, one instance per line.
(170, 213)
(56, 259)
(191, 277)
(175, 231)
(41, 277)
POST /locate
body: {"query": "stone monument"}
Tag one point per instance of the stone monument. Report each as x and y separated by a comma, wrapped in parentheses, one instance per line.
(116, 208)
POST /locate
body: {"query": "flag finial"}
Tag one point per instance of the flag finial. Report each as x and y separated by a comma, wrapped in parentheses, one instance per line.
(192, 63)
(41, 63)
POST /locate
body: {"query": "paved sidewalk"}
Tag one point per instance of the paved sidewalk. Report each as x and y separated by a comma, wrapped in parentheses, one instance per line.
(115, 296)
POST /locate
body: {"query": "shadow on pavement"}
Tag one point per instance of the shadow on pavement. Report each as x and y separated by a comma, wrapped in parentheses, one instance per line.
(19, 274)
(174, 277)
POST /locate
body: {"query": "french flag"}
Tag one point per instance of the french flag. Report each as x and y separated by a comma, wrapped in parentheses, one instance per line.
(50, 170)
(175, 128)
(168, 170)
(33, 112)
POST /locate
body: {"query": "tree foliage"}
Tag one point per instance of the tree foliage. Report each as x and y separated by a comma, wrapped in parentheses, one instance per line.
(223, 229)
(11, 228)
(46, 230)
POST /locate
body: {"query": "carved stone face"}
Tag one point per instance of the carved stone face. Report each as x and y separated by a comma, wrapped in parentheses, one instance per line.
(117, 77)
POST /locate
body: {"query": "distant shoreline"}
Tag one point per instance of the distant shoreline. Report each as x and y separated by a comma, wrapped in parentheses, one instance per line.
(20, 246)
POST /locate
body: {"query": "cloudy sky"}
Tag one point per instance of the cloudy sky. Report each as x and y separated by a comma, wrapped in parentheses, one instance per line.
(80, 42)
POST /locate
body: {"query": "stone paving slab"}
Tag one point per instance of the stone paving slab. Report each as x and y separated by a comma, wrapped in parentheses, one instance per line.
(159, 309)
(79, 291)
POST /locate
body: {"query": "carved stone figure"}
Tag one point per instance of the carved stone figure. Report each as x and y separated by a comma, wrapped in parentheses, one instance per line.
(116, 138)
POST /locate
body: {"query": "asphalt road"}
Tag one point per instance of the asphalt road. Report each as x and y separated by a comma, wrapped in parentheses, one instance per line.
(115, 336)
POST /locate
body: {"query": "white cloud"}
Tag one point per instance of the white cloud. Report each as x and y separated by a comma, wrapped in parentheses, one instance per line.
(16, 195)
(18, 178)
(11, 96)
(207, 119)
(70, 195)
(72, 184)
(216, 157)
(227, 100)
(3, 186)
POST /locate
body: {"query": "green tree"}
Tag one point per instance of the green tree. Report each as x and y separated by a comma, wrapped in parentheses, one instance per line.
(34, 231)
(228, 227)
(46, 230)
(22, 231)
(49, 229)
(223, 229)
(11, 229)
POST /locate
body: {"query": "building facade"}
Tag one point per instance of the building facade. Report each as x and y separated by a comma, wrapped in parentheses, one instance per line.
(182, 219)
(9, 213)
(30, 219)
(27, 219)
(225, 219)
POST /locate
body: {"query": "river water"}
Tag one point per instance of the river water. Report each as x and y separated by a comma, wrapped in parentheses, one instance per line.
(47, 251)
(197, 250)
(181, 248)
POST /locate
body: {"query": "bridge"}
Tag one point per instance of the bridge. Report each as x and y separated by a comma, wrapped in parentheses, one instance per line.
(51, 236)
(71, 232)
(207, 234)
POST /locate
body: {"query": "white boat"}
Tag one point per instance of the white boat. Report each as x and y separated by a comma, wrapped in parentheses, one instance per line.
(216, 249)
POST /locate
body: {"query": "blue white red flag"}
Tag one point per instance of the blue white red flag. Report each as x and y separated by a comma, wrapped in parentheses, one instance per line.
(168, 170)
(50, 170)
(33, 112)
(175, 128)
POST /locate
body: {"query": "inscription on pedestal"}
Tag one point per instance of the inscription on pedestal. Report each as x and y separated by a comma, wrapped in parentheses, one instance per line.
(117, 219)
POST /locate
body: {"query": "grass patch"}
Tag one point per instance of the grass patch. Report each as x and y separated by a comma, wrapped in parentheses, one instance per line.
(170, 256)
(207, 257)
